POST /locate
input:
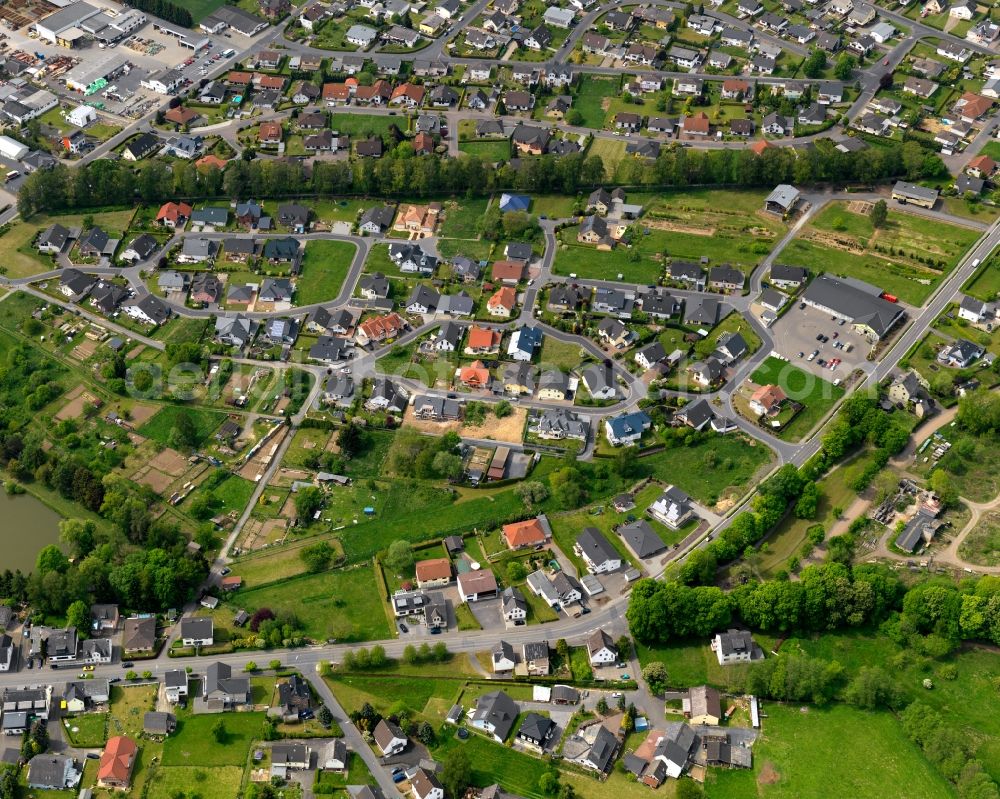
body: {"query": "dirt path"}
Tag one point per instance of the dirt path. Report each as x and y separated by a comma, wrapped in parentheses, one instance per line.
(906, 458)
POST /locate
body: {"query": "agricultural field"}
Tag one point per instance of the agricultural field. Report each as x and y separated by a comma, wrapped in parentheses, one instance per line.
(817, 395)
(338, 604)
(908, 257)
(325, 266)
(610, 151)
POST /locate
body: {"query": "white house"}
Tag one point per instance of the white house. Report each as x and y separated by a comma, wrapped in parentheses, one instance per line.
(197, 631)
(735, 646)
(601, 649)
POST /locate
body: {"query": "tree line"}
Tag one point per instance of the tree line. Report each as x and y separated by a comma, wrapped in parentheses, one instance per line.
(165, 10)
(103, 182)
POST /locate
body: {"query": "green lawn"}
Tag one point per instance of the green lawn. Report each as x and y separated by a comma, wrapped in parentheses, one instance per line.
(620, 263)
(194, 744)
(491, 151)
(325, 265)
(89, 730)
(894, 258)
(340, 604)
(817, 395)
(865, 755)
(232, 494)
(160, 427)
(219, 782)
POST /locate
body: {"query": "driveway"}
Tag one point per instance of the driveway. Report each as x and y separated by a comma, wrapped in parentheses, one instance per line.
(487, 613)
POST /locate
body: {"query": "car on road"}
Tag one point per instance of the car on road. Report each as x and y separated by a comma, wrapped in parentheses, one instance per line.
(802, 355)
(403, 628)
(812, 355)
(625, 676)
(127, 664)
(93, 756)
(88, 668)
(819, 336)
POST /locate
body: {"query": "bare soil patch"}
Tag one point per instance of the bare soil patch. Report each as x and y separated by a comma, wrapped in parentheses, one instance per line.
(79, 400)
(510, 428)
(169, 461)
(142, 413)
(673, 227)
(154, 478)
(768, 774)
(428, 426)
(84, 349)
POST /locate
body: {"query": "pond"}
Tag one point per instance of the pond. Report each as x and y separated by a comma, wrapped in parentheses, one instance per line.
(28, 525)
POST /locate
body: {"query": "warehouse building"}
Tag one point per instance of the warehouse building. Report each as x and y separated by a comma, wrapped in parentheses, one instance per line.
(63, 27)
(856, 302)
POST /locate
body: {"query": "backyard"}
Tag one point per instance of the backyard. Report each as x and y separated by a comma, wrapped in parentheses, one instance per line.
(908, 257)
(161, 428)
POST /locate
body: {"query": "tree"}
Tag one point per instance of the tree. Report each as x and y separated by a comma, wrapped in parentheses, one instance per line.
(251, 666)
(78, 615)
(274, 665)
(815, 64)
(516, 571)
(531, 492)
(219, 732)
(655, 675)
(944, 487)
(456, 772)
(602, 706)
(183, 434)
(318, 556)
(878, 214)
(425, 734)
(548, 783)
(399, 557)
(885, 81)
(324, 716)
(808, 501)
(308, 501)
(844, 69)
(502, 409)
(689, 789)
(448, 464)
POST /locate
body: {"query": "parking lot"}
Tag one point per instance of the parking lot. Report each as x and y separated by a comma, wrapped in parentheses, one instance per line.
(795, 338)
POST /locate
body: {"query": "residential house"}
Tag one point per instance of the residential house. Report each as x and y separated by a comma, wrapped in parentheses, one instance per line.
(596, 551)
(601, 649)
(673, 508)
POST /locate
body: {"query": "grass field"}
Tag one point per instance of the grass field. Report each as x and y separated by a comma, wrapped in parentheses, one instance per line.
(200, 8)
(21, 259)
(974, 464)
(220, 782)
(610, 151)
(562, 354)
(712, 468)
(194, 744)
(893, 258)
(982, 545)
(161, 426)
(816, 394)
(491, 151)
(364, 125)
(461, 218)
(590, 96)
(383, 692)
(340, 604)
(325, 265)
(802, 754)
